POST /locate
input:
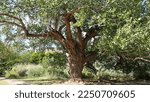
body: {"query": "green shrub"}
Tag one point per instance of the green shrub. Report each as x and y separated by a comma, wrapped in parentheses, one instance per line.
(20, 69)
(35, 71)
(45, 62)
(17, 71)
(110, 74)
(86, 74)
(36, 57)
(24, 58)
(8, 57)
(2, 70)
(31, 70)
(11, 75)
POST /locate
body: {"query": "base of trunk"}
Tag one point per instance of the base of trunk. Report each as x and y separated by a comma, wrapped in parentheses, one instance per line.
(76, 65)
(75, 82)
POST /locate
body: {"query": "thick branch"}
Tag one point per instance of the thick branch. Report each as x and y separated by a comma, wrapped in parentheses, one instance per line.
(89, 36)
(69, 17)
(70, 43)
(78, 31)
(11, 16)
(91, 33)
(16, 18)
(58, 36)
(11, 23)
(68, 27)
(55, 34)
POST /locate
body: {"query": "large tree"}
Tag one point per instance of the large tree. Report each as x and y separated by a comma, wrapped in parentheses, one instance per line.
(71, 23)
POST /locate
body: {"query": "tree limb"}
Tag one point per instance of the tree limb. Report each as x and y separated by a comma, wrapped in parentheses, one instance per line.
(69, 40)
(12, 23)
(16, 18)
(91, 33)
(68, 26)
(11, 16)
(55, 34)
(78, 31)
(142, 59)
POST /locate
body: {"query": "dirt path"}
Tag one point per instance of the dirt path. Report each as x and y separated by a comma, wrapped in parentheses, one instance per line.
(12, 81)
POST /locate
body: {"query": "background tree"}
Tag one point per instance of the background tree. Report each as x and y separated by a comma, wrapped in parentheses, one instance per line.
(7, 57)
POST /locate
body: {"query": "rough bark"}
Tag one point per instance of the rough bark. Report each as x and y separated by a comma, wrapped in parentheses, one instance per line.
(76, 66)
(76, 55)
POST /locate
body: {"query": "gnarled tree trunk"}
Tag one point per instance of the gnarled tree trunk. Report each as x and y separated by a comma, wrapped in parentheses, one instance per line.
(76, 64)
(76, 48)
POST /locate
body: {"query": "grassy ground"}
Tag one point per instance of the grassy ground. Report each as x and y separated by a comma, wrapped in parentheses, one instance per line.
(41, 81)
